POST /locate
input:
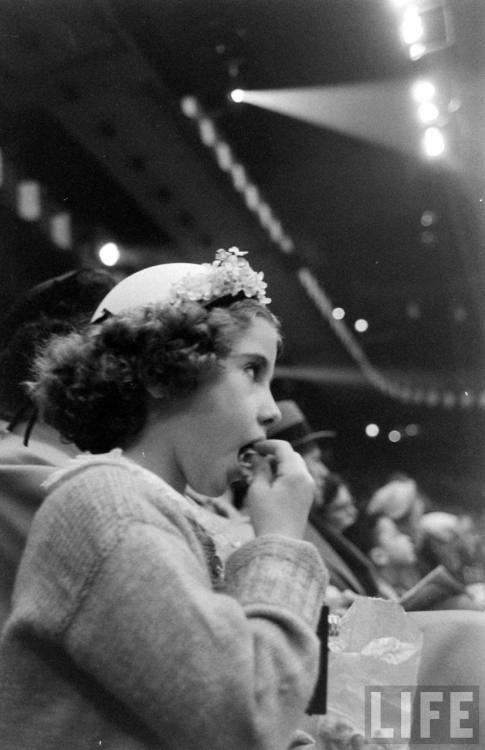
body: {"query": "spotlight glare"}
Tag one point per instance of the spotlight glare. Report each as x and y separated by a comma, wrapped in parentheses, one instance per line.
(109, 254)
(237, 95)
(433, 142)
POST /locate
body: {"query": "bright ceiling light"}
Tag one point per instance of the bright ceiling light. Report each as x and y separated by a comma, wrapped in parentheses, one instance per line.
(207, 132)
(433, 142)
(237, 95)
(109, 254)
(224, 156)
(372, 430)
(416, 51)
(428, 218)
(428, 112)
(338, 313)
(238, 175)
(412, 25)
(29, 200)
(423, 91)
(412, 430)
(361, 325)
(189, 106)
(60, 229)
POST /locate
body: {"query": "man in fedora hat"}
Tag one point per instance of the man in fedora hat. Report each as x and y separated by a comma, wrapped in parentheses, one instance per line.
(333, 510)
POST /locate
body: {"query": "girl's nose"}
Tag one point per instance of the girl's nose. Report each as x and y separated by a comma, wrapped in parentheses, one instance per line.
(270, 413)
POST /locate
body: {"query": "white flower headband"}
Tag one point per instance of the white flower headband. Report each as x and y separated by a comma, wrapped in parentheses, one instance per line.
(229, 275)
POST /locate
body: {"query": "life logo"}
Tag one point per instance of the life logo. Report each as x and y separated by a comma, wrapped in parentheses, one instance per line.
(431, 714)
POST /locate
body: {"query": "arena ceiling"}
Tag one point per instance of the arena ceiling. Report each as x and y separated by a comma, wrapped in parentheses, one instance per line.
(119, 109)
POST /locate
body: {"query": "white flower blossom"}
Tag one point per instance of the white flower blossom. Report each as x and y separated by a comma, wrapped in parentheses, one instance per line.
(228, 275)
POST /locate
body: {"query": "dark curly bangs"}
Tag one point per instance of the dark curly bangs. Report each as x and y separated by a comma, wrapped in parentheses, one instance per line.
(92, 386)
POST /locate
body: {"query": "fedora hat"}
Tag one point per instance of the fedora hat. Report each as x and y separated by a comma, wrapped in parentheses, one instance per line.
(294, 427)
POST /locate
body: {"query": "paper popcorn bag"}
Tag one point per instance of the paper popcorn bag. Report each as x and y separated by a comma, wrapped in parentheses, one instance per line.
(378, 645)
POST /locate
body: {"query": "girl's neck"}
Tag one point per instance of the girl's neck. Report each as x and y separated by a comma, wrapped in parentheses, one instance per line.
(152, 450)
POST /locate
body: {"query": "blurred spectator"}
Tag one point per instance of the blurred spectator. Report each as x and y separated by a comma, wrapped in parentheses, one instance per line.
(401, 500)
(453, 541)
(440, 538)
(336, 504)
(390, 550)
(351, 572)
(387, 547)
(30, 449)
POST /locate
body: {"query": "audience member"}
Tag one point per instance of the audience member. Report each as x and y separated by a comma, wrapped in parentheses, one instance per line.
(387, 547)
(439, 538)
(392, 551)
(52, 307)
(127, 630)
(400, 499)
(333, 509)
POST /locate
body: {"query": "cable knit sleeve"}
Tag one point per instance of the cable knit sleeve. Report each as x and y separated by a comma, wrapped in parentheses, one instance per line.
(233, 668)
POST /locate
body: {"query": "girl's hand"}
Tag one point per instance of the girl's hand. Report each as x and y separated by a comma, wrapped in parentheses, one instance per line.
(281, 490)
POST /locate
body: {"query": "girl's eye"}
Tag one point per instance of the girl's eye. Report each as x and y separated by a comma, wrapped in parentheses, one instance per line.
(254, 369)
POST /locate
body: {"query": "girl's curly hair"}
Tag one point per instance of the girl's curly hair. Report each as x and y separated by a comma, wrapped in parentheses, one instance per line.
(92, 385)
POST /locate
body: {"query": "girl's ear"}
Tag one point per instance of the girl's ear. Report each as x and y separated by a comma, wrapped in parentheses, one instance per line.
(379, 556)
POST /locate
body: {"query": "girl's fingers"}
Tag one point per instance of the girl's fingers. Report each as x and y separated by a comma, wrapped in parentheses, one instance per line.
(286, 459)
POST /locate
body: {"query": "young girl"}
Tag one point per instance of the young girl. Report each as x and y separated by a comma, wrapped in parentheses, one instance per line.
(127, 631)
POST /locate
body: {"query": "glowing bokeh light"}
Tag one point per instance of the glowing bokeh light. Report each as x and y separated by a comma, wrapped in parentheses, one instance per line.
(109, 254)
(237, 95)
(416, 51)
(428, 218)
(428, 112)
(423, 91)
(207, 132)
(394, 436)
(361, 325)
(372, 430)
(413, 310)
(412, 430)
(223, 156)
(338, 313)
(189, 106)
(412, 28)
(433, 142)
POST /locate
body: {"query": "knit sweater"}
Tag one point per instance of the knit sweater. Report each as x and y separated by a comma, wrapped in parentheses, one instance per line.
(128, 634)
(22, 471)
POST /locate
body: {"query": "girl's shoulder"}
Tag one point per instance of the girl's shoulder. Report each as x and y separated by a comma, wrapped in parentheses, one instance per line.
(84, 462)
(112, 485)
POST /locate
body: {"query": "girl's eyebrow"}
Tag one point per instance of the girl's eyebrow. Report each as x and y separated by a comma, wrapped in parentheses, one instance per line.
(260, 358)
